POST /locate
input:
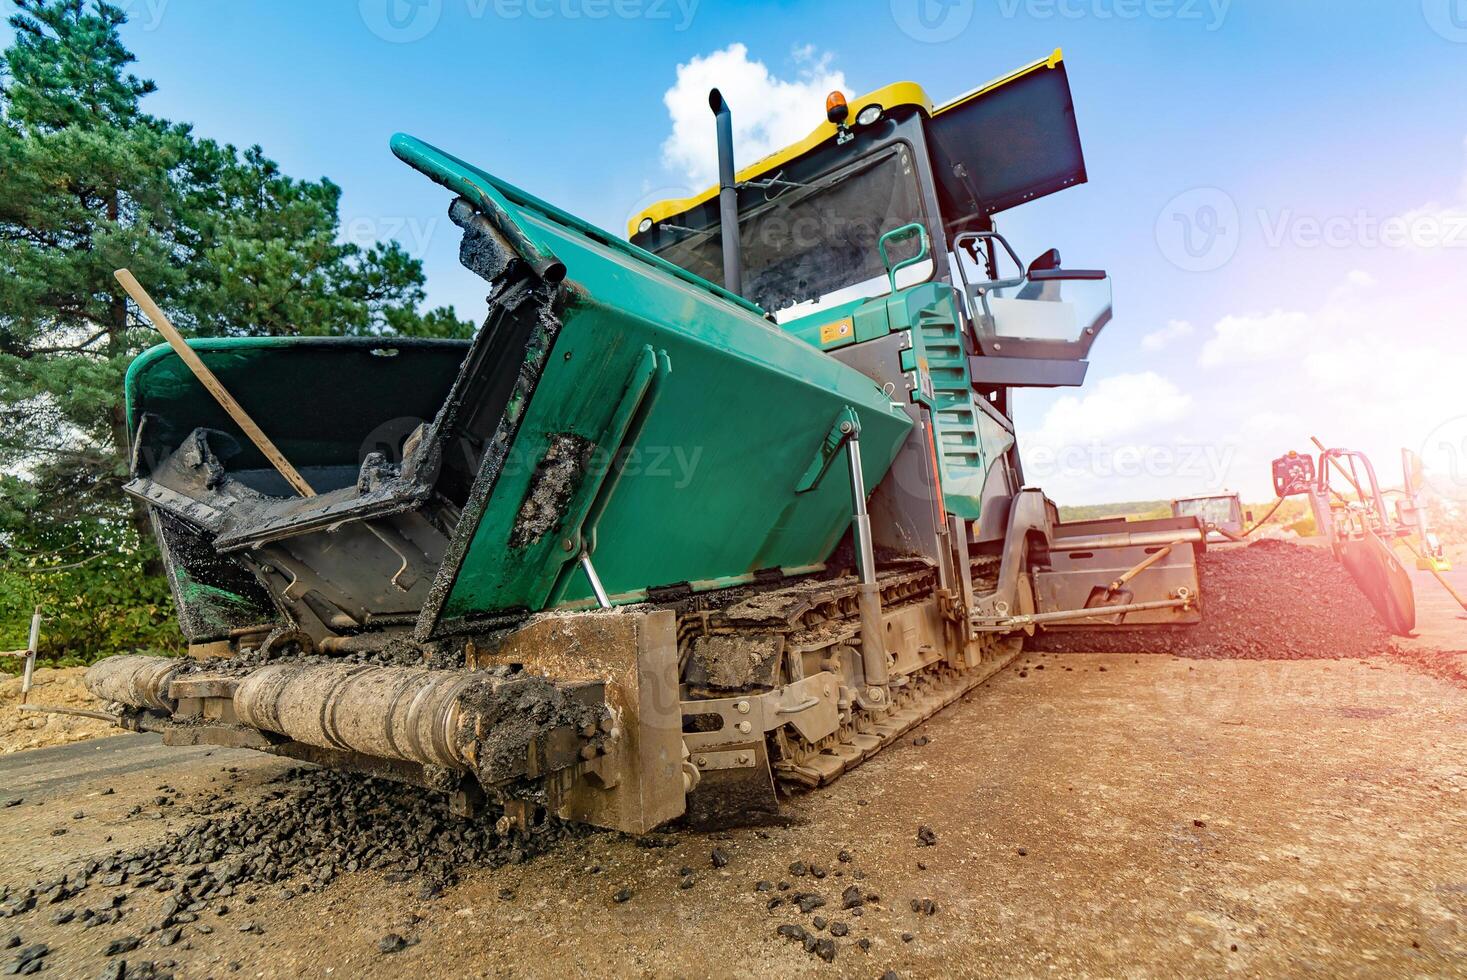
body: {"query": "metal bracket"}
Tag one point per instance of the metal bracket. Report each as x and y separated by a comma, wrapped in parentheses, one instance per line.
(203, 686)
(729, 759)
(847, 425)
(1183, 600)
(810, 705)
(602, 599)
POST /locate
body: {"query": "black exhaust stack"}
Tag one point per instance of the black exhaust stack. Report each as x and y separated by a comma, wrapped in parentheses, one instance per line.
(728, 196)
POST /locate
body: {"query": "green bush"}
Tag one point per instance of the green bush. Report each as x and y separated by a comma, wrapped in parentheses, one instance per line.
(90, 609)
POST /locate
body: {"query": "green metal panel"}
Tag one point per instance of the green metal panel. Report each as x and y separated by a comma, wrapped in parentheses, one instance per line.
(840, 326)
(714, 412)
(939, 355)
(710, 490)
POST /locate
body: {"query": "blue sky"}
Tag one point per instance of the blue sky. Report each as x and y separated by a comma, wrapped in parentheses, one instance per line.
(1325, 143)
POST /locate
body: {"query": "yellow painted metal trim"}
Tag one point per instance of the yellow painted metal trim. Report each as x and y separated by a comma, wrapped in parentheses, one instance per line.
(1053, 61)
(889, 97)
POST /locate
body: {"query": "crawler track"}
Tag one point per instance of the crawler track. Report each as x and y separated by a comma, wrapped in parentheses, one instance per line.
(818, 622)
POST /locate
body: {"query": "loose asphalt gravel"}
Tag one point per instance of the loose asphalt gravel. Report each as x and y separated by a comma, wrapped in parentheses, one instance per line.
(1270, 600)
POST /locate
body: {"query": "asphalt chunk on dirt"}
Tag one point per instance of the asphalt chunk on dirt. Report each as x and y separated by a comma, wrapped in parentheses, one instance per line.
(311, 827)
(1270, 600)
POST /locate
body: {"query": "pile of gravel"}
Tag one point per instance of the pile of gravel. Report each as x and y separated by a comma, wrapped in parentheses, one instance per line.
(323, 822)
(1271, 600)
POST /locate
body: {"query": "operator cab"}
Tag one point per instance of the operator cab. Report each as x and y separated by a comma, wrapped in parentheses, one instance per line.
(830, 223)
(874, 240)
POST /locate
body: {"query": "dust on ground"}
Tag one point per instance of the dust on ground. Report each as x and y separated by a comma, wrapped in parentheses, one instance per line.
(1438, 646)
(55, 687)
(1087, 815)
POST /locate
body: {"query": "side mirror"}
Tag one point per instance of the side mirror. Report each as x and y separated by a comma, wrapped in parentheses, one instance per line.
(1066, 275)
(1046, 268)
(1049, 260)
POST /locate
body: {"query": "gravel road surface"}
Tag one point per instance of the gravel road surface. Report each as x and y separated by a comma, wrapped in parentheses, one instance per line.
(1086, 815)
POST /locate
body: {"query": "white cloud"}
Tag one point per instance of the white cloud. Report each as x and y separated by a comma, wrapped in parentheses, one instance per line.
(1267, 424)
(1252, 338)
(1341, 366)
(1113, 408)
(1371, 368)
(1433, 225)
(1255, 337)
(768, 112)
(1158, 339)
(1122, 439)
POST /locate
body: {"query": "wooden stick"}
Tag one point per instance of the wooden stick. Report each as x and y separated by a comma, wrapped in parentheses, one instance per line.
(30, 655)
(1442, 579)
(211, 383)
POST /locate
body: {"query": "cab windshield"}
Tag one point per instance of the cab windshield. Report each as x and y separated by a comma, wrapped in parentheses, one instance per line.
(812, 243)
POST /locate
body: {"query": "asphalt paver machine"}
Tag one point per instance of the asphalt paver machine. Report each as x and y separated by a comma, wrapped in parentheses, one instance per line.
(695, 518)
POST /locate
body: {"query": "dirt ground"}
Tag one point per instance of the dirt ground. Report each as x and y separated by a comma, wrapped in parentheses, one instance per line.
(1094, 815)
(20, 730)
(1439, 647)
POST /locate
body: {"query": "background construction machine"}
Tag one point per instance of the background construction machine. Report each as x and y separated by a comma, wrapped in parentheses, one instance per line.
(1352, 514)
(719, 510)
